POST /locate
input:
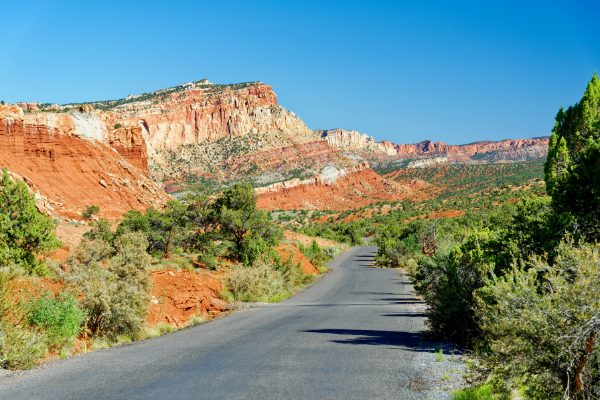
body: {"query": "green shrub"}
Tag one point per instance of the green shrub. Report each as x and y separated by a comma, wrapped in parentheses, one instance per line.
(59, 317)
(573, 164)
(542, 324)
(19, 347)
(293, 275)
(256, 283)
(317, 256)
(100, 231)
(319, 260)
(263, 282)
(209, 260)
(447, 281)
(330, 252)
(115, 283)
(484, 392)
(89, 212)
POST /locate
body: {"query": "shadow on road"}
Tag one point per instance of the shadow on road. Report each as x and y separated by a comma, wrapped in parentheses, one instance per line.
(402, 301)
(373, 338)
(416, 314)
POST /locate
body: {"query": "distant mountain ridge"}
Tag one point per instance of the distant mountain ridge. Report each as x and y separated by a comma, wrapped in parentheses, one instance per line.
(473, 153)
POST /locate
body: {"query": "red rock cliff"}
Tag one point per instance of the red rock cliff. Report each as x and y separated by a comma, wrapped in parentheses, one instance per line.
(366, 146)
(130, 143)
(199, 113)
(67, 169)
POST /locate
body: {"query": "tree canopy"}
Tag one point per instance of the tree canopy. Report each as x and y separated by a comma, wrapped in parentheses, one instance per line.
(572, 169)
(24, 232)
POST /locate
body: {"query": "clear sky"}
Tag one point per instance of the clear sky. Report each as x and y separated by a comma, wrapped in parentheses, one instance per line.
(402, 71)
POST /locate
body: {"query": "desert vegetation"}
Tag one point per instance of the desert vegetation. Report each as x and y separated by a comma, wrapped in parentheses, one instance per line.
(101, 294)
(504, 255)
(516, 283)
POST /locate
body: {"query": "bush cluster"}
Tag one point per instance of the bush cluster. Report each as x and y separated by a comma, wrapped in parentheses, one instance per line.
(19, 347)
(519, 283)
(115, 284)
(264, 282)
(318, 256)
(228, 225)
(58, 316)
(24, 232)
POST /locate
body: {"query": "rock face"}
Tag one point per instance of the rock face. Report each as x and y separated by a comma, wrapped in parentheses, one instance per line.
(29, 106)
(130, 143)
(424, 163)
(343, 139)
(207, 129)
(67, 162)
(206, 112)
(333, 189)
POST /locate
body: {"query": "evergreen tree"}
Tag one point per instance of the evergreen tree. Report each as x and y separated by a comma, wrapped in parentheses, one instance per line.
(24, 232)
(572, 169)
(249, 229)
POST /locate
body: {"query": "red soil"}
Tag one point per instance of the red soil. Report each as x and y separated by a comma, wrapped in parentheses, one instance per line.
(285, 250)
(70, 173)
(177, 296)
(307, 240)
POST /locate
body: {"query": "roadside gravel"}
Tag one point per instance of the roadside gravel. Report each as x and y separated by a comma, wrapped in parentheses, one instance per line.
(440, 375)
(440, 378)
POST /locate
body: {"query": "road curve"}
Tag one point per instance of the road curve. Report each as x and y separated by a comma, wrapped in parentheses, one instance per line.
(350, 336)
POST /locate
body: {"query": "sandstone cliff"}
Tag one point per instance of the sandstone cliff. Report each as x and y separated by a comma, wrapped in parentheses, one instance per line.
(194, 113)
(219, 131)
(130, 143)
(67, 162)
(350, 140)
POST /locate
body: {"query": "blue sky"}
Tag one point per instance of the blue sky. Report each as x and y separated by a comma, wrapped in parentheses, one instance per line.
(402, 71)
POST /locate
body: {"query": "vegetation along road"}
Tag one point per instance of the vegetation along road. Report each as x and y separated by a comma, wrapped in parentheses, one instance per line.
(350, 336)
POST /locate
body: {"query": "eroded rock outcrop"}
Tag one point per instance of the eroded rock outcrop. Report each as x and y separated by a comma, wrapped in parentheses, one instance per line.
(66, 163)
(207, 112)
(30, 106)
(334, 189)
(129, 142)
(344, 139)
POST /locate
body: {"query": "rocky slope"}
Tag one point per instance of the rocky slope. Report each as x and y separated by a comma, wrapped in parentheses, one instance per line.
(219, 132)
(67, 161)
(334, 189)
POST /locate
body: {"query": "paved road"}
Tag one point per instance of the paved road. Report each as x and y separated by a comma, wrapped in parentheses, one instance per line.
(350, 336)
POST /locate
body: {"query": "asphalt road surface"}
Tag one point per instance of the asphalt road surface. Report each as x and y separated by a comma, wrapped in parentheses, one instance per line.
(350, 336)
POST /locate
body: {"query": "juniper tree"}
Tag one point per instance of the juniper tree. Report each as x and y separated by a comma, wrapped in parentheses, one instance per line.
(24, 232)
(572, 169)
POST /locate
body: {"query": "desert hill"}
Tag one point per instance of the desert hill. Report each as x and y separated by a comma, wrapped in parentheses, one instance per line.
(217, 135)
